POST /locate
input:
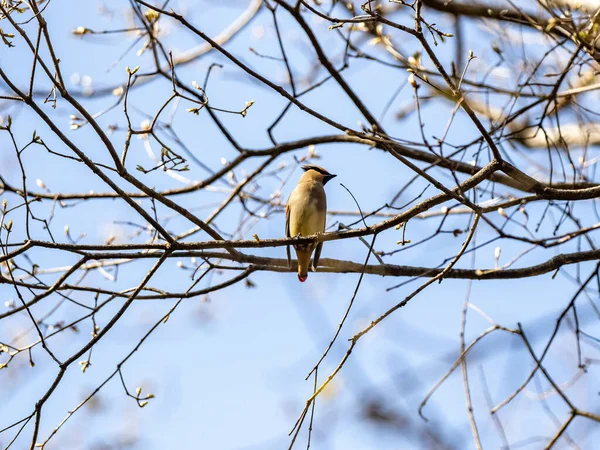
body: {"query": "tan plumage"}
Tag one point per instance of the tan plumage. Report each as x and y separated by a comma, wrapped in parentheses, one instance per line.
(305, 215)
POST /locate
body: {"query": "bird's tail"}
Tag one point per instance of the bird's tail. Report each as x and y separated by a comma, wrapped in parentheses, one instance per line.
(303, 255)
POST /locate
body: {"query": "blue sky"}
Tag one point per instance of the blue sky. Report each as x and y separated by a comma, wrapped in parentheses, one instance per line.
(228, 371)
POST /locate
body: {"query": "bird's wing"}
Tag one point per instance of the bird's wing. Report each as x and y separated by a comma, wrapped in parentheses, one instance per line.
(319, 246)
(287, 233)
(287, 220)
(315, 262)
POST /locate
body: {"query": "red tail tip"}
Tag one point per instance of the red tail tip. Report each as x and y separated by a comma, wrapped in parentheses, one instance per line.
(302, 278)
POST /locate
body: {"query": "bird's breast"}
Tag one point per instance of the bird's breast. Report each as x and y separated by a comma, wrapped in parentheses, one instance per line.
(307, 216)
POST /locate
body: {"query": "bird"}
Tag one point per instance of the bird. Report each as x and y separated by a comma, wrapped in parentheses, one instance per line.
(305, 215)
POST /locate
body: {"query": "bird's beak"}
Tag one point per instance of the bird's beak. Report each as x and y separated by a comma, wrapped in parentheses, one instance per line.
(328, 177)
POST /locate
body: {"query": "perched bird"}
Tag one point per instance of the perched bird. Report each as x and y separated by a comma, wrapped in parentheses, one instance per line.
(305, 215)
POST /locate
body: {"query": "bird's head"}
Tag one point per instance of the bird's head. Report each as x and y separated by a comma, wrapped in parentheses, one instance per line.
(318, 173)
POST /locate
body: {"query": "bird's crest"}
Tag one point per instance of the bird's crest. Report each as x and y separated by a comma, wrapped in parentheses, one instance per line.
(308, 167)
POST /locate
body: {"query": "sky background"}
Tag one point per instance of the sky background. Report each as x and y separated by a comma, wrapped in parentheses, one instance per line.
(228, 371)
